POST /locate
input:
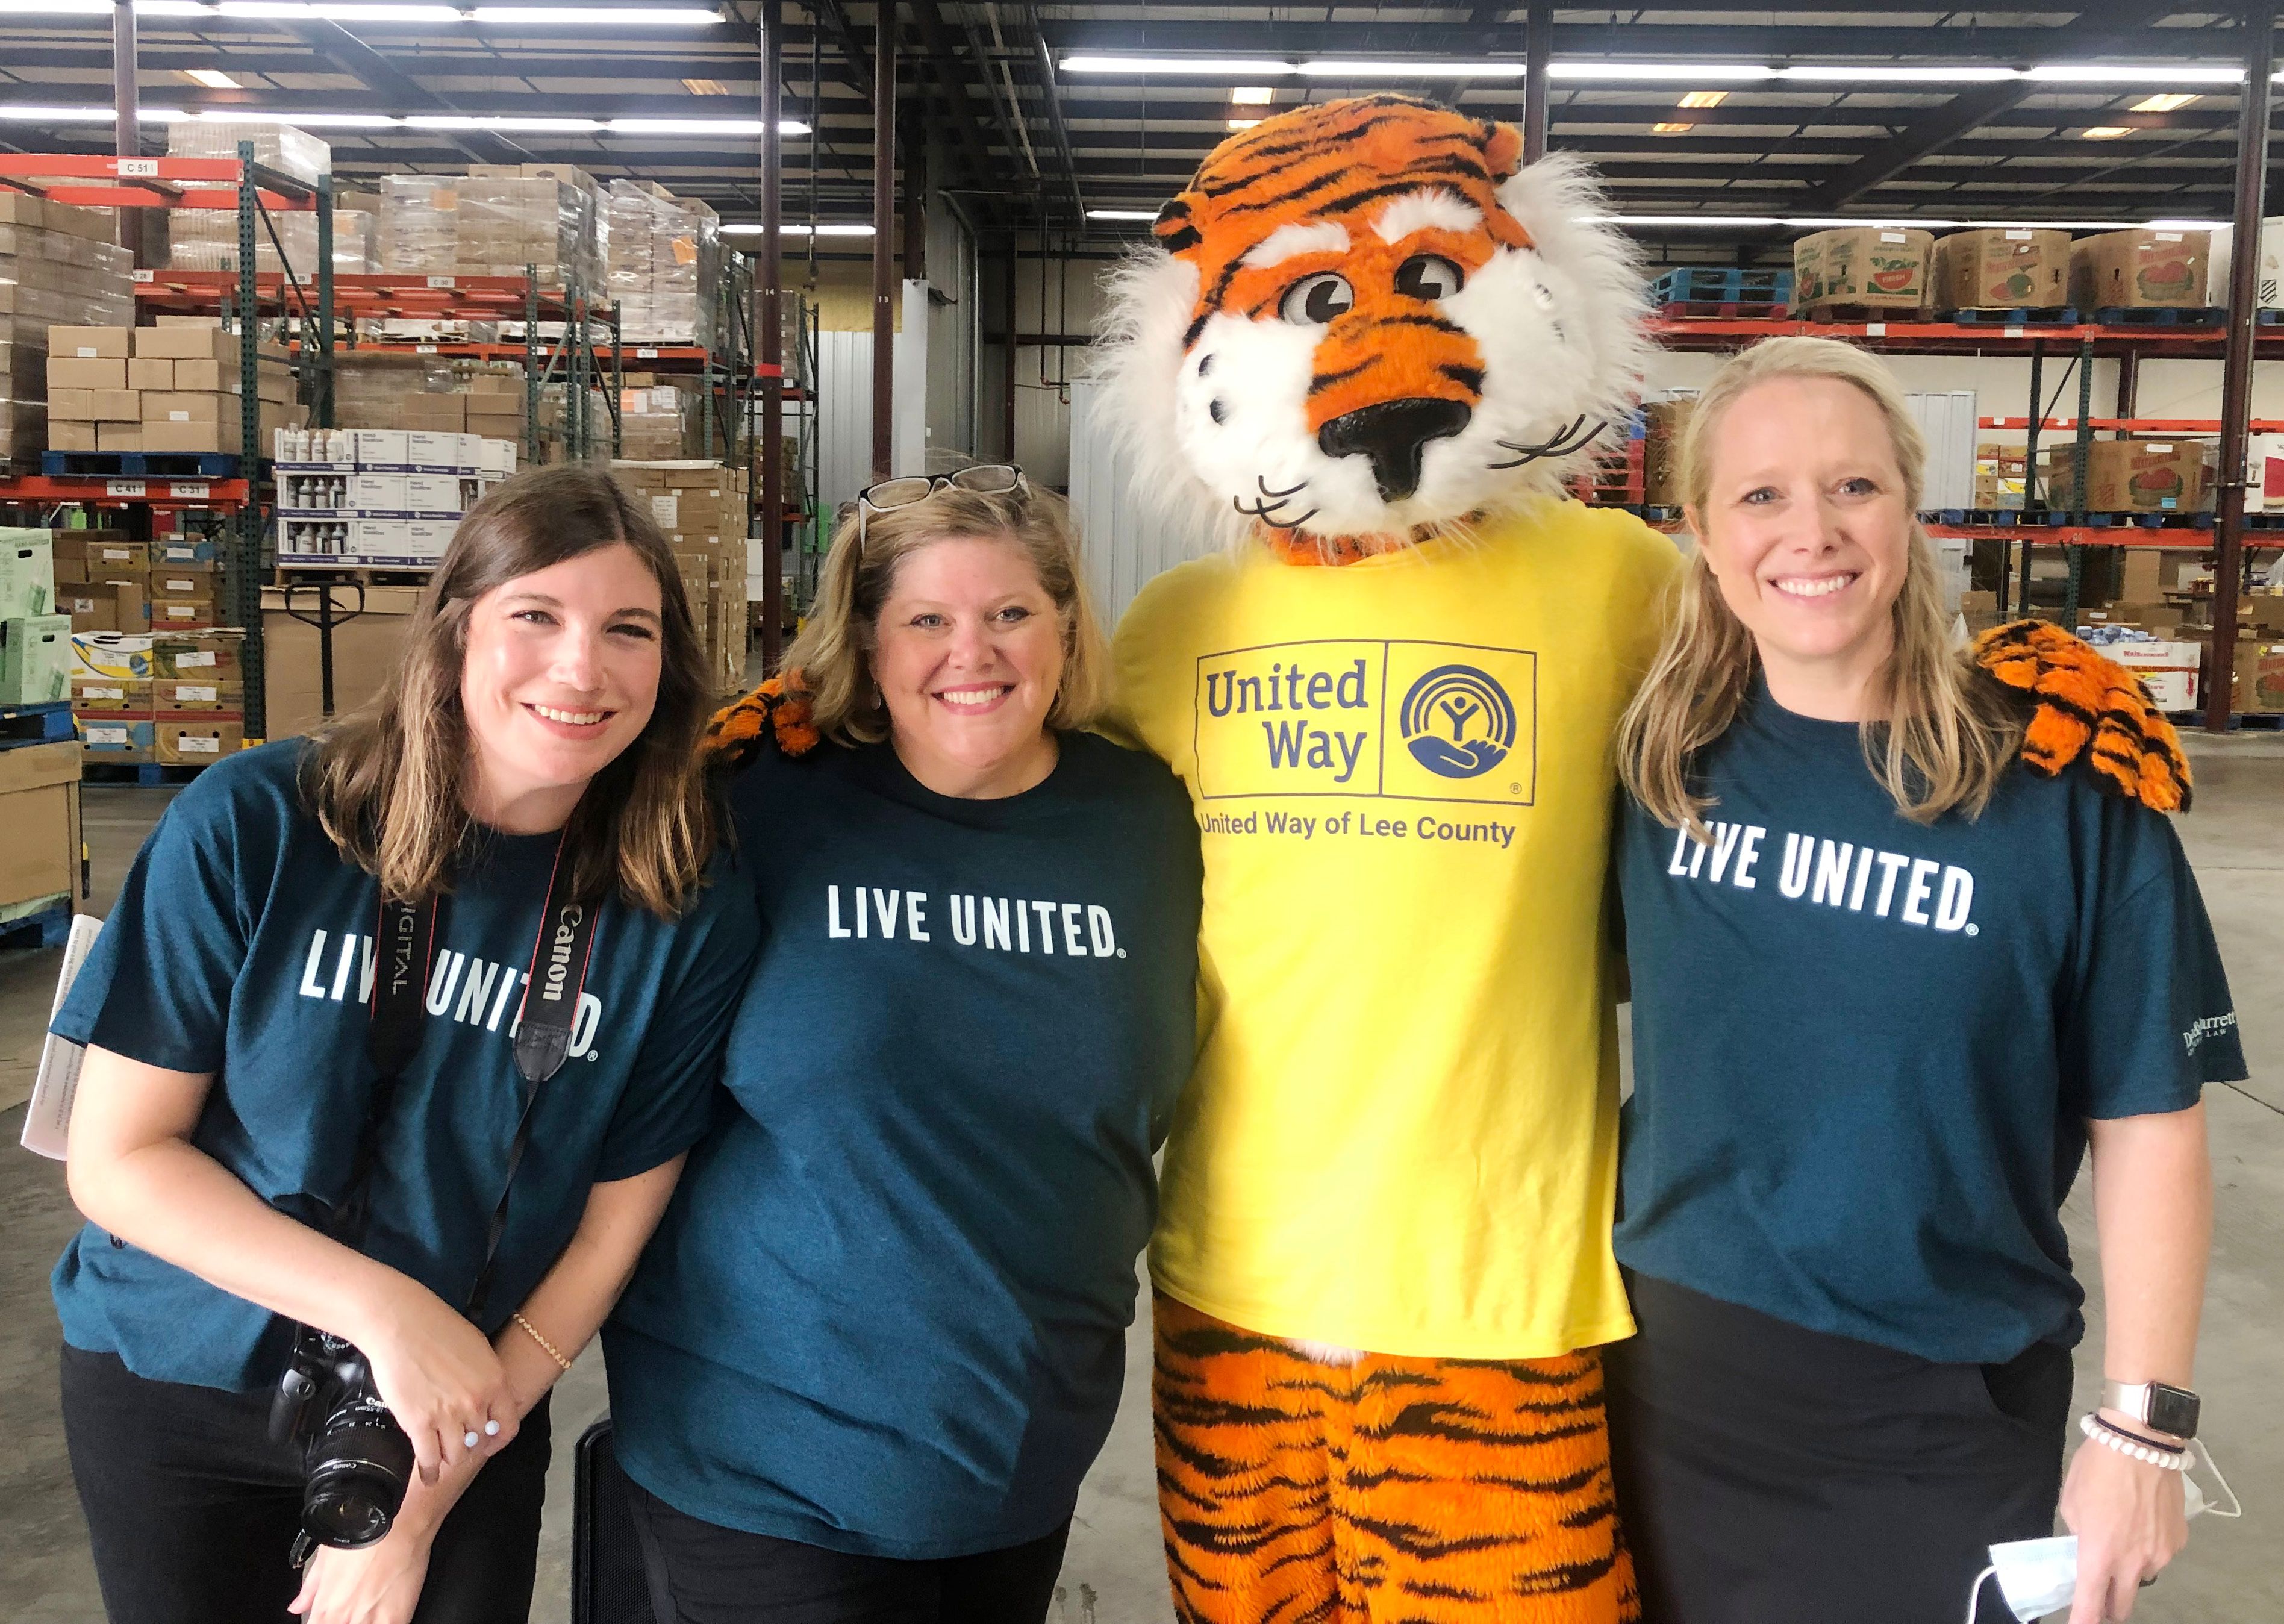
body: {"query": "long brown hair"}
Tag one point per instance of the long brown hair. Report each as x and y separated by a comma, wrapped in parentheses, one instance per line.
(386, 780)
(834, 652)
(1939, 738)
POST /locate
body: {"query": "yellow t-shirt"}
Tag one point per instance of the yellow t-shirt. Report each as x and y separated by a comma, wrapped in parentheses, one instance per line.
(1402, 1132)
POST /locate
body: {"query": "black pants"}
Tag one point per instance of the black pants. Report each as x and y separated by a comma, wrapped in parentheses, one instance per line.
(1769, 1474)
(192, 1510)
(704, 1573)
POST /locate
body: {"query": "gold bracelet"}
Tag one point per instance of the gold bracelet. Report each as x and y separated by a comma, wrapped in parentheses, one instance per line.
(529, 1331)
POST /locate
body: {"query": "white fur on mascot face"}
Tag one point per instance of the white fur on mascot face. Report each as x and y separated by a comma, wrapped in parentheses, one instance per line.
(1365, 319)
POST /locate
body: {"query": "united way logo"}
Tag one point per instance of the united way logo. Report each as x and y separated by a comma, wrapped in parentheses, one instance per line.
(1457, 722)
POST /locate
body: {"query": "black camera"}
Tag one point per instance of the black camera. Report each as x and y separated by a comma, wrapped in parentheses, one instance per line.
(356, 1460)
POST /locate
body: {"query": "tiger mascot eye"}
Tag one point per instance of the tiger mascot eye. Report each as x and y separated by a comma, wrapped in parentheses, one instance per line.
(1363, 351)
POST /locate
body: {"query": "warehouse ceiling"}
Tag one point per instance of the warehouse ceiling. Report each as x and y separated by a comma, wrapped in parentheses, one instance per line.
(1687, 110)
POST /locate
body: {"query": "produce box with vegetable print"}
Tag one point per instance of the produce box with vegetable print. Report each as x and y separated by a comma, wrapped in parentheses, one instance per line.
(1882, 267)
(2001, 269)
(2142, 269)
(2133, 476)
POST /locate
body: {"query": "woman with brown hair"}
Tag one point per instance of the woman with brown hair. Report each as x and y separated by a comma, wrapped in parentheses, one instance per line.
(1896, 966)
(395, 1041)
(880, 1336)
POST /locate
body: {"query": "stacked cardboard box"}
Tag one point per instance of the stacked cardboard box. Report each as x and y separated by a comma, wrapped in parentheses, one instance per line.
(39, 807)
(2001, 268)
(497, 220)
(173, 388)
(663, 261)
(2140, 269)
(206, 240)
(386, 497)
(1879, 267)
(701, 507)
(58, 266)
(275, 146)
(650, 423)
(2132, 476)
(2001, 472)
(31, 630)
(1663, 423)
(102, 580)
(366, 649)
(176, 700)
(400, 388)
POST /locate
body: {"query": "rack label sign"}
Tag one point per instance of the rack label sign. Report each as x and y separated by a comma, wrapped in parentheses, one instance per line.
(424, 350)
(123, 487)
(190, 488)
(139, 166)
(143, 276)
(647, 355)
(443, 282)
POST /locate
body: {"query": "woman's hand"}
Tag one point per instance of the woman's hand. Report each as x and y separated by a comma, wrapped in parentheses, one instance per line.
(2130, 1521)
(377, 1585)
(438, 1376)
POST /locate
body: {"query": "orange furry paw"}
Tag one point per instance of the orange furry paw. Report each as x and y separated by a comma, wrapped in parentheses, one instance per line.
(2088, 706)
(775, 709)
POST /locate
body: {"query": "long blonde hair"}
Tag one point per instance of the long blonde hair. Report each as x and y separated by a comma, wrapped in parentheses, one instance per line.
(832, 655)
(385, 781)
(1941, 737)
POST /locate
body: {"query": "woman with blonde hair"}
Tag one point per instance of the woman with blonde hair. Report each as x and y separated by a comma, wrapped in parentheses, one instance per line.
(1893, 973)
(396, 1040)
(880, 1336)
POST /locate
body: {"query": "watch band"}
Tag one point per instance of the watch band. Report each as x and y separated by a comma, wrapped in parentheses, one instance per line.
(2170, 1410)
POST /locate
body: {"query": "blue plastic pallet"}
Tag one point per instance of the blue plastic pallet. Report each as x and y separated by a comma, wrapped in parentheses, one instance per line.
(139, 465)
(42, 724)
(48, 927)
(1705, 284)
(2164, 315)
(142, 774)
(2033, 316)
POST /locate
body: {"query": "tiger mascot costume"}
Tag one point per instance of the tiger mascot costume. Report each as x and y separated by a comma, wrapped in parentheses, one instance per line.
(1366, 350)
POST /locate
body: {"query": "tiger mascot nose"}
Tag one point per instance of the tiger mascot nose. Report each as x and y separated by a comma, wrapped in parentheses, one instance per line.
(1395, 434)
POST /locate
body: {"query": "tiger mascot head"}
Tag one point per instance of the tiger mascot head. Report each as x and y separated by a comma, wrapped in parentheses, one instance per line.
(1365, 323)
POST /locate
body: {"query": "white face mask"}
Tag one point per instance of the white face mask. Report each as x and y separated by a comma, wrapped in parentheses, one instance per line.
(2037, 1577)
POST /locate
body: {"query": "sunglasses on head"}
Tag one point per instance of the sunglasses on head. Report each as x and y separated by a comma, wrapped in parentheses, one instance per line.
(984, 479)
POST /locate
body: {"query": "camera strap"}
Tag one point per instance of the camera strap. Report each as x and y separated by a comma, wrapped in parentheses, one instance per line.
(545, 1020)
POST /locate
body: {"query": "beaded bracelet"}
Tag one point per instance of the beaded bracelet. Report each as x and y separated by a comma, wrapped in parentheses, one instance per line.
(528, 1330)
(2165, 1457)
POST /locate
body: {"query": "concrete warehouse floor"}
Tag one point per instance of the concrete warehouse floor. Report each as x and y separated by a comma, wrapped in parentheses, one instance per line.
(1113, 1574)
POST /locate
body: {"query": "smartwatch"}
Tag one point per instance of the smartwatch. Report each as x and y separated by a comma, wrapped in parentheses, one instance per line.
(2170, 1410)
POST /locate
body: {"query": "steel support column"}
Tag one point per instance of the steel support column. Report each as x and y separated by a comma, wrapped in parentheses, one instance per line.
(127, 113)
(2236, 367)
(1538, 51)
(884, 226)
(769, 346)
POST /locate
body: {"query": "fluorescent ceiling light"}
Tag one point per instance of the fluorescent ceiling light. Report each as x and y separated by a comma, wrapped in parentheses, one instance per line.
(457, 120)
(59, 115)
(1237, 125)
(1669, 130)
(1704, 98)
(1253, 95)
(2104, 132)
(1897, 73)
(748, 228)
(1826, 223)
(1641, 71)
(705, 87)
(213, 78)
(1334, 68)
(2075, 73)
(700, 127)
(338, 13)
(1216, 67)
(2171, 102)
(306, 120)
(601, 16)
(1121, 214)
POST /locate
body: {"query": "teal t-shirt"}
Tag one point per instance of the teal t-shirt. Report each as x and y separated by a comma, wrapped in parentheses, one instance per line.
(886, 1312)
(242, 945)
(1865, 1050)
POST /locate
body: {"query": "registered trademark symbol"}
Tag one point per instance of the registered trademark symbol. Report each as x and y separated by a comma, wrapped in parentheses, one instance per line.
(591, 1059)
(1514, 788)
(1973, 929)
(1122, 953)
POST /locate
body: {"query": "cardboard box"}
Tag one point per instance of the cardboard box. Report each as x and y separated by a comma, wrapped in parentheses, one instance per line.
(142, 373)
(196, 742)
(218, 655)
(39, 807)
(2001, 268)
(169, 694)
(117, 405)
(119, 437)
(2256, 685)
(378, 448)
(1884, 267)
(114, 739)
(87, 344)
(181, 613)
(93, 693)
(435, 414)
(1665, 422)
(2170, 669)
(94, 372)
(107, 558)
(221, 437)
(365, 651)
(180, 583)
(71, 436)
(196, 407)
(2131, 476)
(35, 659)
(27, 573)
(195, 343)
(2140, 269)
(432, 493)
(378, 493)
